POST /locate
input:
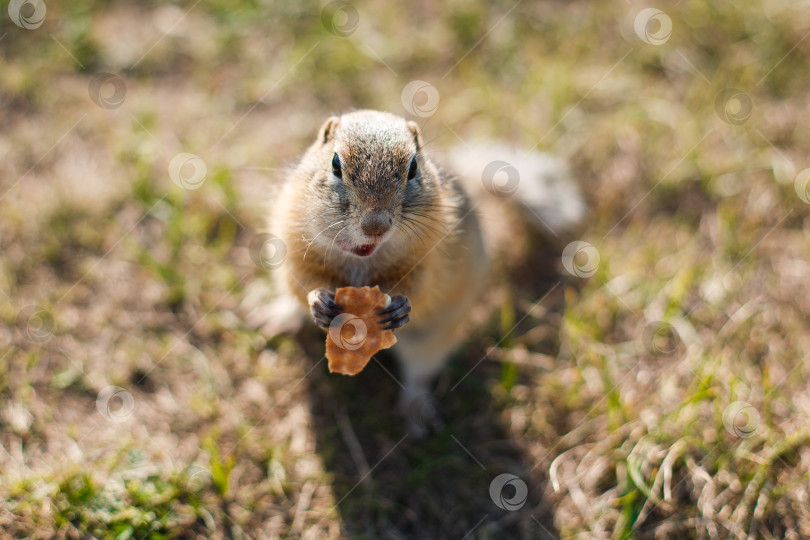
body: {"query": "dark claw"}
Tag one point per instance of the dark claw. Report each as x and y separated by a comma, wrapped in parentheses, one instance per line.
(397, 312)
(326, 309)
(397, 302)
(322, 320)
(398, 323)
(323, 307)
(328, 299)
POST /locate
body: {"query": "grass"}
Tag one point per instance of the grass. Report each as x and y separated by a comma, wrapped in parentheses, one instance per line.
(665, 396)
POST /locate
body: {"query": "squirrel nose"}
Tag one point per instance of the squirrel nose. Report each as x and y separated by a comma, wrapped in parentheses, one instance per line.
(376, 222)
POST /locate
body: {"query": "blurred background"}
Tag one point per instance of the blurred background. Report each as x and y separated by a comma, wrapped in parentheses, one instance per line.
(655, 386)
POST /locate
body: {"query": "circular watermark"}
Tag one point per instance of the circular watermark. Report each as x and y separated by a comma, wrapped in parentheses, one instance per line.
(340, 18)
(516, 501)
(423, 412)
(348, 331)
(196, 477)
(115, 404)
(268, 251)
(580, 259)
(187, 170)
(660, 338)
(36, 323)
(500, 178)
(420, 98)
(741, 419)
(107, 90)
(733, 106)
(802, 186)
(653, 26)
(28, 14)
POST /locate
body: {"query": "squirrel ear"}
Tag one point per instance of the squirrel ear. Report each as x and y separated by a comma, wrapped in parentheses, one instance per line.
(417, 138)
(327, 131)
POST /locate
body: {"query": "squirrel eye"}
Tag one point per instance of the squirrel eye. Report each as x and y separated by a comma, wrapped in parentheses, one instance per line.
(336, 170)
(412, 169)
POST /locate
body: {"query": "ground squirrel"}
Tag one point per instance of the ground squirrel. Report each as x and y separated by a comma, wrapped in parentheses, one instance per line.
(365, 206)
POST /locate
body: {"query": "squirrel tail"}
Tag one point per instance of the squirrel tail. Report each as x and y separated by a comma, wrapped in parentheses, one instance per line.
(539, 184)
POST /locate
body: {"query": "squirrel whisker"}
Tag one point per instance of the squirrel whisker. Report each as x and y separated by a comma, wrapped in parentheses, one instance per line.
(425, 225)
(333, 243)
(309, 245)
(410, 230)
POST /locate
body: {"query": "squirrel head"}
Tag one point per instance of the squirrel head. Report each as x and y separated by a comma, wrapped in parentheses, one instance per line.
(369, 182)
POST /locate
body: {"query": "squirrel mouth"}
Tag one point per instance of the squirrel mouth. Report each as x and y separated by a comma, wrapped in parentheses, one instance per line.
(364, 250)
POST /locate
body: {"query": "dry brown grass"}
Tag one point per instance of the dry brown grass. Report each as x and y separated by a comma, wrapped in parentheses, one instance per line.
(137, 283)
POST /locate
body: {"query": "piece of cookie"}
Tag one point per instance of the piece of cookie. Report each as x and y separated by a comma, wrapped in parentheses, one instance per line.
(356, 335)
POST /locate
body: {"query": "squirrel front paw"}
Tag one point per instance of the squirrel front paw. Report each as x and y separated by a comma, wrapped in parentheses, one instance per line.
(322, 306)
(398, 312)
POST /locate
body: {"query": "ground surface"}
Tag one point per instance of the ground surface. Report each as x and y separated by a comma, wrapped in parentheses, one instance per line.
(664, 396)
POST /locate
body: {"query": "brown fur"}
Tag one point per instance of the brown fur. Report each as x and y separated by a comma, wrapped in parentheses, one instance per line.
(435, 256)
